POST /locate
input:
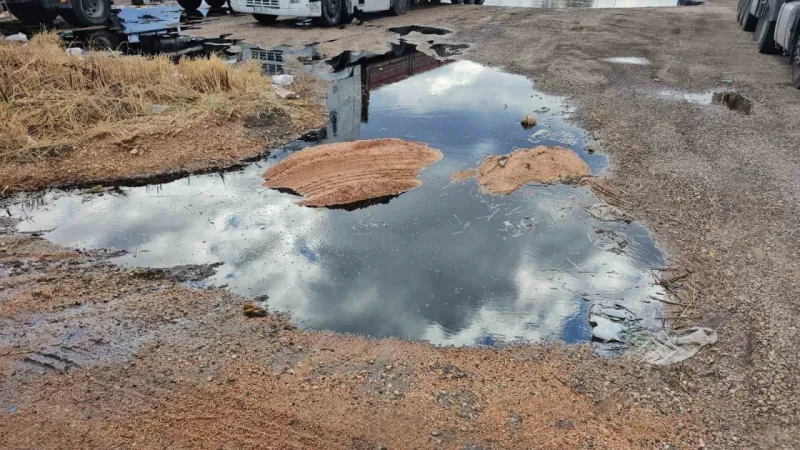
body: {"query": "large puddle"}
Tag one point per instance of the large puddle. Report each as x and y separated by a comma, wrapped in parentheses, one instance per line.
(443, 262)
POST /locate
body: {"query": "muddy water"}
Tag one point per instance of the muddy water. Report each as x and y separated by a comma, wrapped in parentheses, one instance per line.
(442, 262)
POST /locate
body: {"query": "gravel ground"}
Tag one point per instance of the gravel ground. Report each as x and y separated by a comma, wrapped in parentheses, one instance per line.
(718, 189)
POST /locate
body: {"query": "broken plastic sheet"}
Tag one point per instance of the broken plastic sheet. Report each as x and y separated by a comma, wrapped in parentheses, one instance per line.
(670, 348)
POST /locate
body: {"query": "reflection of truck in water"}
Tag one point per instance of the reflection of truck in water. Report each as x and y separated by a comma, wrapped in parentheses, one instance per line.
(354, 76)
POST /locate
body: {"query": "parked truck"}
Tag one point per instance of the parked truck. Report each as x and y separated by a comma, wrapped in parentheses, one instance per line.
(776, 27)
(81, 13)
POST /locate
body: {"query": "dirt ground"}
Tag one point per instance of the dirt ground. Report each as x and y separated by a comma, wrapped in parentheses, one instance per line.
(97, 356)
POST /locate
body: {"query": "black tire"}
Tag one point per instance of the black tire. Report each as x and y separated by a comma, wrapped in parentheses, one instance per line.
(190, 5)
(333, 13)
(456, 2)
(103, 40)
(479, 2)
(436, 2)
(796, 58)
(750, 22)
(265, 19)
(32, 13)
(88, 13)
(399, 7)
(216, 3)
(765, 32)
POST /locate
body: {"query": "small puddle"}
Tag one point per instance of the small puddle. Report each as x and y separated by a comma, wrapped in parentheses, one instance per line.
(634, 60)
(442, 262)
(733, 101)
(446, 50)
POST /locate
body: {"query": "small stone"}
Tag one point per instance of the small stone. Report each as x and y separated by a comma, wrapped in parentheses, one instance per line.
(396, 392)
(435, 432)
(285, 94)
(210, 378)
(528, 121)
(253, 310)
(134, 152)
(439, 441)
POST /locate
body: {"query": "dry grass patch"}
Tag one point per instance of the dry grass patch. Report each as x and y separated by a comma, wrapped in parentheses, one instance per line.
(53, 101)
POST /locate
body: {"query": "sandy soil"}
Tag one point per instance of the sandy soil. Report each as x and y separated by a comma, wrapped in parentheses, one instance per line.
(104, 357)
(504, 174)
(463, 175)
(349, 172)
(718, 189)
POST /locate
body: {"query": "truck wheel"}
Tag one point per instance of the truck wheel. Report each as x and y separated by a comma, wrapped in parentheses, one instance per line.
(88, 13)
(796, 60)
(32, 13)
(265, 19)
(765, 32)
(216, 3)
(400, 6)
(456, 2)
(190, 5)
(750, 22)
(103, 40)
(332, 13)
(479, 2)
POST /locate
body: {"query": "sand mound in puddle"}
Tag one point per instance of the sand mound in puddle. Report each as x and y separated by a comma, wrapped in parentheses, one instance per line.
(462, 176)
(504, 174)
(349, 172)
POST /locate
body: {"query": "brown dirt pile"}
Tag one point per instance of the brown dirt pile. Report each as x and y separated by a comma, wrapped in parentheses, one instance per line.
(504, 174)
(348, 172)
(464, 175)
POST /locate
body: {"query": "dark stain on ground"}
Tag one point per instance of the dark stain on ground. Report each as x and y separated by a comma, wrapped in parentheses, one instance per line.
(733, 101)
(403, 31)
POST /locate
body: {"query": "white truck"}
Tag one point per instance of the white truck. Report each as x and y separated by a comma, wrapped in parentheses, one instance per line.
(326, 12)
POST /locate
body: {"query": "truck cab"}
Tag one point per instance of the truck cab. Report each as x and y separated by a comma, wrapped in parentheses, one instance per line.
(787, 36)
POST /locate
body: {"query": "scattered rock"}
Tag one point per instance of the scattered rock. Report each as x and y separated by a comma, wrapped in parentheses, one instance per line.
(528, 121)
(285, 93)
(435, 433)
(134, 152)
(253, 310)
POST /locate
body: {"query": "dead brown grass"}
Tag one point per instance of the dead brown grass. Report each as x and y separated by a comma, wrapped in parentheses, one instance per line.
(53, 101)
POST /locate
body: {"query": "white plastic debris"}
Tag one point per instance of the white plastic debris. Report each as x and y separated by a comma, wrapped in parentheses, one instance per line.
(19, 37)
(75, 51)
(158, 109)
(671, 348)
(283, 80)
(605, 329)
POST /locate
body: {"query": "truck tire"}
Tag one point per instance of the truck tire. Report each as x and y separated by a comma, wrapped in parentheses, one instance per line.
(456, 2)
(216, 3)
(103, 40)
(265, 19)
(88, 13)
(32, 13)
(333, 13)
(765, 32)
(190, 5)
(796, 59)
(399, 7)
(479, 2)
